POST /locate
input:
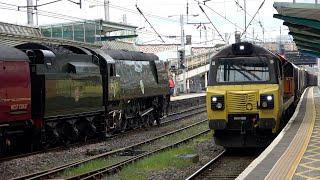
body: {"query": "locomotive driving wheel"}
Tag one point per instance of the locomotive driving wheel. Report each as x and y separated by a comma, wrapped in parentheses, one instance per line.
(51, 137)
(156, 117)
(2, 144)
(68, 133)
(148, 120)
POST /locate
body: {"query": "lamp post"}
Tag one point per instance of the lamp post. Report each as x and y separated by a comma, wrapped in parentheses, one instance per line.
(106, 4)
(30, 12)
(106, 10)
(182, 48)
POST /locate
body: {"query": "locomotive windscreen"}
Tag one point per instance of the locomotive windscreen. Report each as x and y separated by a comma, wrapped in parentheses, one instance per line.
(243, 70)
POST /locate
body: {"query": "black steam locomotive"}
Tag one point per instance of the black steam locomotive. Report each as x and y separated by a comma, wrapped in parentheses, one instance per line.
(71, 93)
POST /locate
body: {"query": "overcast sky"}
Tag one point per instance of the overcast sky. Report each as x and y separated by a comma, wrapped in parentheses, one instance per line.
(157, 11)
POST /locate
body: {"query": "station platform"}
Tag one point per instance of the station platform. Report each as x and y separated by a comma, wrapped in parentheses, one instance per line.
(295, 152)
(187, 96)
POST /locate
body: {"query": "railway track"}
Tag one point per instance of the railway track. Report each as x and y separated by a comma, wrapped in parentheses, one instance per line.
(206, 166)
(145, 149)
(182, 114)
(171, 118)
(226, 165)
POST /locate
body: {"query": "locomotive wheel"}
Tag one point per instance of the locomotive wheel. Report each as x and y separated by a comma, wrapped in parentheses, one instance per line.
(156, 117)
(51, 137)
(147, 121)
(35, 135)
(85, 128)
(69, 133)
(6, 143)
(2, 145)
(150, 120)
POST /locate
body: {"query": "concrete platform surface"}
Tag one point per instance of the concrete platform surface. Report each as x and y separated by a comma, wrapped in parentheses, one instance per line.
(295, 152)
(187, 96)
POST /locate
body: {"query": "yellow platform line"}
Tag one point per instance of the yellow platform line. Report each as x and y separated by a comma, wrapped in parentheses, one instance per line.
(289, 161)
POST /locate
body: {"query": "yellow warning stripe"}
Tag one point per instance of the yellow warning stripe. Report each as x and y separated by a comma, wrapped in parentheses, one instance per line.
(306, 141)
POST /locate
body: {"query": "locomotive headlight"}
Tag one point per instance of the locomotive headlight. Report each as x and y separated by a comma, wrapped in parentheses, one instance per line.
(214, 99)
(217, 102)
(264, 104)
(219, 105)
(266, 101)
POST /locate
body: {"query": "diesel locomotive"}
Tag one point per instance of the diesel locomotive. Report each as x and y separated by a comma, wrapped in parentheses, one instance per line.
(250, 91)
(60, 94)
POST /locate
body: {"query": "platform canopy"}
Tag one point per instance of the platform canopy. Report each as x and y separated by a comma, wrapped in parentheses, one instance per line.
(13, 35)
(89, 31)
(303, 21)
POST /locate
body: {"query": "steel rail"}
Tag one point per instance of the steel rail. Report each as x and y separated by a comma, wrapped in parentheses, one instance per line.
(118, 166)
(186, 110)
(60, 148)
(55, 170)
(206, 166)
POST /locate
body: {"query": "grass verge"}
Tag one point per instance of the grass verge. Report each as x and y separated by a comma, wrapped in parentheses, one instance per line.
(162, 161)
(92, 165)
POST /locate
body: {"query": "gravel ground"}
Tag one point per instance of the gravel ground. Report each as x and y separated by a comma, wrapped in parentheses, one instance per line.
(43, 161)
(231, 164)
(206, 151)
(168, 140)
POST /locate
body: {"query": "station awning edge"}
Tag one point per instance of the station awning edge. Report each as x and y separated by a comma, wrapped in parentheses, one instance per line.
(303, 21)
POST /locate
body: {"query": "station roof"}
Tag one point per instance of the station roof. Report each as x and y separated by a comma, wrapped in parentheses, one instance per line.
(303, 21)
(89, 31)
(105, 26)
(13, 35)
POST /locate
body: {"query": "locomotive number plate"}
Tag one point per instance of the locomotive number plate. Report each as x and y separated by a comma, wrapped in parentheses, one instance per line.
(239, 118)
